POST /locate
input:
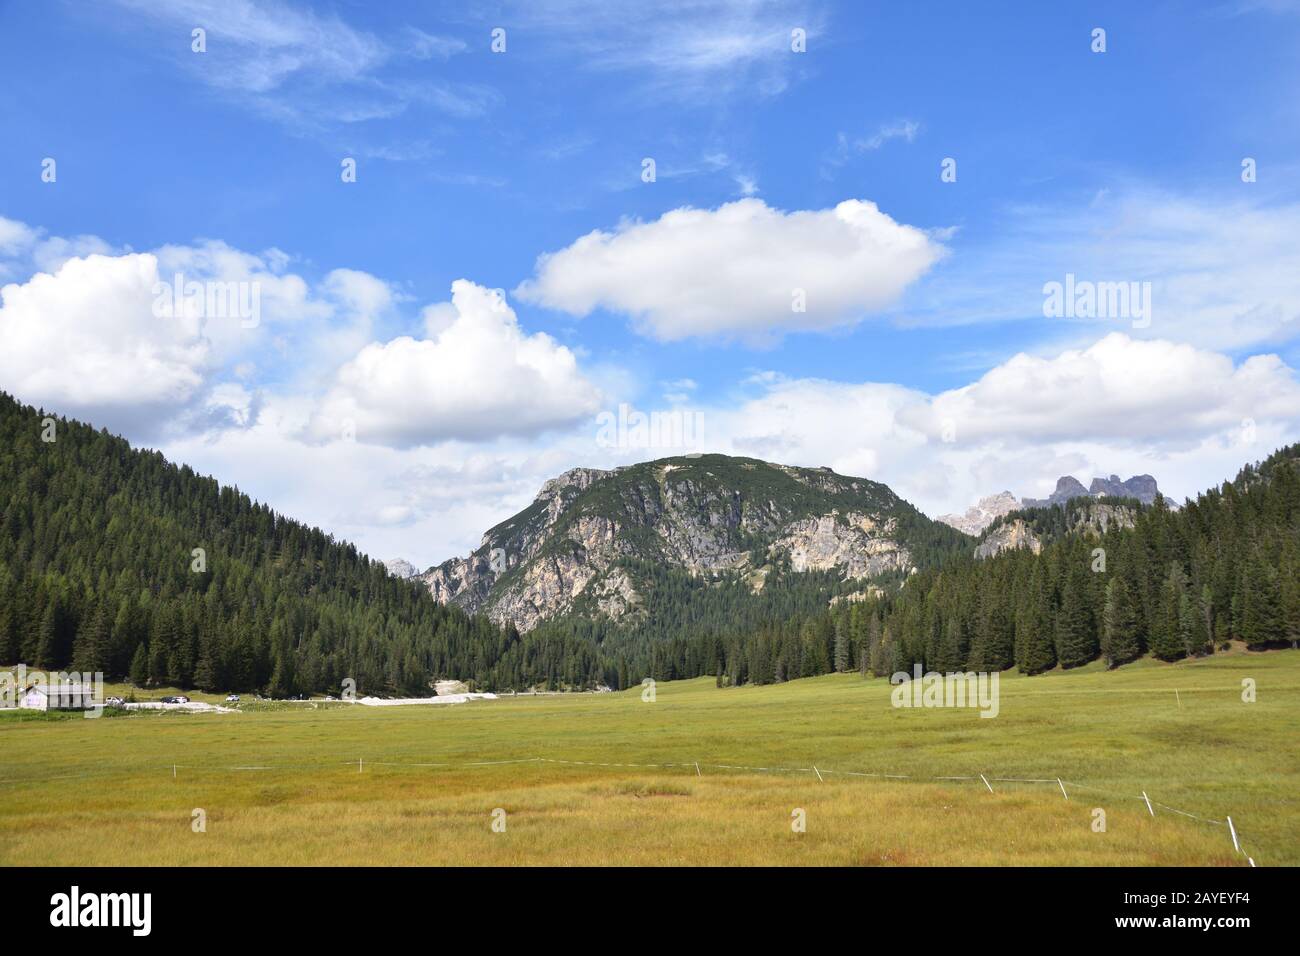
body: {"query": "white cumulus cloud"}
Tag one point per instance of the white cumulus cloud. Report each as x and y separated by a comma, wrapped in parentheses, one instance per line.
(478, 375)
(1117, 390)
(85, 341)
(743, 270)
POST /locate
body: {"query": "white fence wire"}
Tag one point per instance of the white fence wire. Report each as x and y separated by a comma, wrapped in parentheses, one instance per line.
(819, 771)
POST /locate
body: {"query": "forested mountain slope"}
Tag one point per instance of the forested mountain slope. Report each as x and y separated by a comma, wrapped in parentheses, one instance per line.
(98, 572)
(648, 547)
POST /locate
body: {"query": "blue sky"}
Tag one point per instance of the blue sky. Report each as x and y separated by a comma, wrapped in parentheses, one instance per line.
(1122, 165)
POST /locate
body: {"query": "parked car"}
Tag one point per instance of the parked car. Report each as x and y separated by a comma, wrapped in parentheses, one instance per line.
(182, 699)
(169, 700)
(114, 702)
(232, 698)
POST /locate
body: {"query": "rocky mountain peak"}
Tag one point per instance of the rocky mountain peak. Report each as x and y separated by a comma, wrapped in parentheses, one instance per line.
(586, 540)
(401, 568)
(982, 514)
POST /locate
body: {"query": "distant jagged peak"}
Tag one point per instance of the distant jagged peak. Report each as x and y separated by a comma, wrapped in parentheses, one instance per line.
(982, 514)
(1141, 487)
(401, 568)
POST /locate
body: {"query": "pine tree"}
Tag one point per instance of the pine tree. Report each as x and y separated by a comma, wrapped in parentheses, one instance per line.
(1167, 640)
(47, 648)
(10, 651)
(90, 655)
(140, 666)
(1076, 634)
(843, 657)
(1261, 612)
(1119, 629)
(1037, 650)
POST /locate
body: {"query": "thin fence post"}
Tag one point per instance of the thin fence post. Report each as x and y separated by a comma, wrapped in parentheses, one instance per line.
(1062, 786)
(986, 782)
(1148, 800)
(819, 774)
(1233, 830)
(173, 771)
(697, 769)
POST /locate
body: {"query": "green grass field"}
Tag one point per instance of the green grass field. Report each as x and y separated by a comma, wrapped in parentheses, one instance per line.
(102, 792)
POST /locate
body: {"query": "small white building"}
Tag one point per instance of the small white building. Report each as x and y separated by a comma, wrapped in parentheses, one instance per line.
(34, 698)
(62, 696)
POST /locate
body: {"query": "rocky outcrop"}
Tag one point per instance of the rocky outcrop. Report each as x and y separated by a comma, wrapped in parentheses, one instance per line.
(710, 515)
(1009, 535)
(1067, 488)
(1141, 487)
(982, 514)
(401, 568)
(1090, 518)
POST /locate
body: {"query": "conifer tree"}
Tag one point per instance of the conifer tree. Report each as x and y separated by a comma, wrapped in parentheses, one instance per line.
(1076, 633)
(1119, 628)
(140, 666)
(90, 655)
(1167, 640)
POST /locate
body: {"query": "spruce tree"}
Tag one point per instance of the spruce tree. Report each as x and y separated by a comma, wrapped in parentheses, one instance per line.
(47, 646)
(1167, 641)
(843, 658)
(1034, 637)
(140, 666)
(90, 655)
(1076, 633)
(1119, 628)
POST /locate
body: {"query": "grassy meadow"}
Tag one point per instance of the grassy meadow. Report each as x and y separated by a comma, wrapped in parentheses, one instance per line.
(281, 784)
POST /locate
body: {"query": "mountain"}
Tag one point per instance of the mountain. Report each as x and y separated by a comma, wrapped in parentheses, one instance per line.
(401, 568)
(113, 559)
(1104, 577)
(583, 545)
(984, 513)
(1141, 487)
(1033, 527)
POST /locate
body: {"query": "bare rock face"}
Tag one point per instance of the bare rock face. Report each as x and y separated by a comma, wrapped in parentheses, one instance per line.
(401, 568)
(577, 545)
(1090, 519)
(984, 513)
(1067, 488)
(854, 543)
(1100, 518)
(1007, 536)
(1141, 487)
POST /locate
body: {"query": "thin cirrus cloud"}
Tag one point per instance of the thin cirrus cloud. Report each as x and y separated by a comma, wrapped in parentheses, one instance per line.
(742, 271)
(313, 69)
(691, 51)
(1222, 269)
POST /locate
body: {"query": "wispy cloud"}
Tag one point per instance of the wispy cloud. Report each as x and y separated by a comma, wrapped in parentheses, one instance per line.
(847, 147)
(1221, 268)
(306, 68)
(694, 50)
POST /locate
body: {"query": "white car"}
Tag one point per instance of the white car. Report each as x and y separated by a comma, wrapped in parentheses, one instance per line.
(232, 698)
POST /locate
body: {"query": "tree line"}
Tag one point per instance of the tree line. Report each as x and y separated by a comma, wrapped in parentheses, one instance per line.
(113, 559)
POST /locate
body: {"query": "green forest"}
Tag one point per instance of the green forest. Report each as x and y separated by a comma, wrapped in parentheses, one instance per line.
(113, 559)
